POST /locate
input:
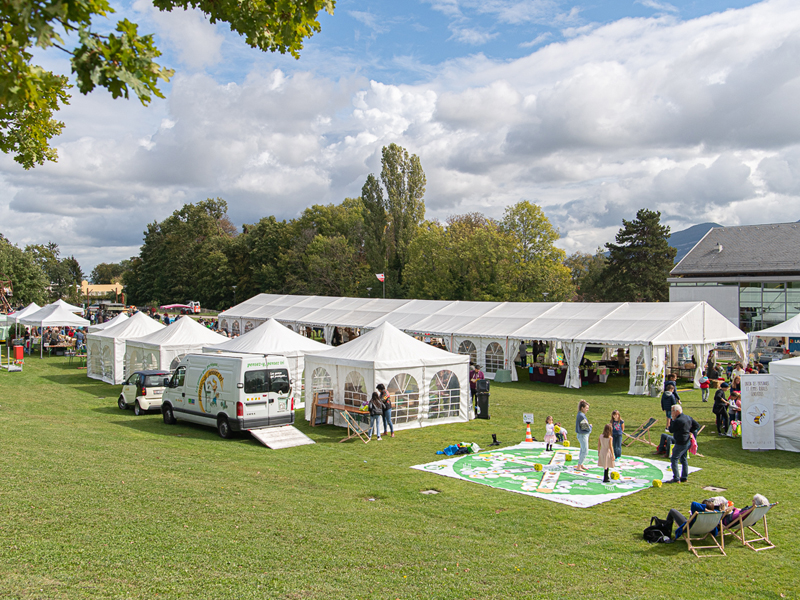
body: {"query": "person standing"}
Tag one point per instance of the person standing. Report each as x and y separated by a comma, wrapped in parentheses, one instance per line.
(375, 415)
(682, 427)
(523, 354)
(605, 456)
(720, 409)
(474, 377)
(386, 399)
(582, 429)
(668, 399)
(617, 429)
(704, 385)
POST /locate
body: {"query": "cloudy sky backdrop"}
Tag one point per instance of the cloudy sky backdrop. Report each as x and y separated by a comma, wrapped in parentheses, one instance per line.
(591, 111)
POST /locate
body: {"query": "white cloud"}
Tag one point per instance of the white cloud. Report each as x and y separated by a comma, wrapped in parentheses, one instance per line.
(655, 5)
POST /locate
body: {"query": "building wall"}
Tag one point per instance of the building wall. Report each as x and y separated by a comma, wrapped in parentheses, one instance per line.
(723, 298)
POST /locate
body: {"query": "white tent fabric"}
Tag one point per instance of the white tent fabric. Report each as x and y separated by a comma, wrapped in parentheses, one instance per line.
(429, 386)
(120, 318)
(790, 328)
(54, 315)
(274, 338)
(162, 349)
(105, 350)
(70, 307)
(606, 324)
(21, 314)
(786, 406)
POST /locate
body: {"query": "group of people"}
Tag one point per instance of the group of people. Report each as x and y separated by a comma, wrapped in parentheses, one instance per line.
(380, 410)
(715, 503)
(726, 409)
(609, 446)
(52, 336)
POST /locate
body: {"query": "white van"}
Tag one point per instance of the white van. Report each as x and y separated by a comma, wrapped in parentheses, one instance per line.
(232, 392)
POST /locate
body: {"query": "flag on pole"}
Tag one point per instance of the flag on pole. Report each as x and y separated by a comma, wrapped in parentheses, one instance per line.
(380, 276)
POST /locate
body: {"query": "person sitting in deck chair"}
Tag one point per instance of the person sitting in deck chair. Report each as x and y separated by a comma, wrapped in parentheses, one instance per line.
(674, 516)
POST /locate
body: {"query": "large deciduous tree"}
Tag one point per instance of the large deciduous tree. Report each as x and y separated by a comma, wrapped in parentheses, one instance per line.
(122, 61)
(64, 275)
(107, 273)
(27, 277)
(640, 261)
(587, 272)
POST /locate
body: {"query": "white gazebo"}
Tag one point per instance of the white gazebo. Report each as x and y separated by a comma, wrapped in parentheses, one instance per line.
(164, 348)
(53, 315)
(429, 386)
(70, 307)
(105, 350)
(274, 338)
(24, 312)
(120, 318)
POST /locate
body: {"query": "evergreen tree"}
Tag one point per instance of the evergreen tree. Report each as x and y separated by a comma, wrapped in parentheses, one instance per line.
(640, 262)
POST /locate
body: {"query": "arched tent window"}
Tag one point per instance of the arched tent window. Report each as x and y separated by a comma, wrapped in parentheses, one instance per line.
(150, 361)
(641, 379)
(108, 362)
(321, 380)
(223, 325)
(175, 362)
(235, 328)
(444, 395)
(468, 348)
(355, 389)
(494, 357)
(133, 361)
(95, 358)
(405, 398)
(248, 326)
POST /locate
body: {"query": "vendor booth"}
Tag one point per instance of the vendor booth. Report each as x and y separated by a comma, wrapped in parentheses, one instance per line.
(53, 315)
(788, 329)
(106, 349)
(274, 338)
(164, 348)
(429, 386)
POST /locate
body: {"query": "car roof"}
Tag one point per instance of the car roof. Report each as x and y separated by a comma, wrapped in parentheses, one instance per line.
(156, 372)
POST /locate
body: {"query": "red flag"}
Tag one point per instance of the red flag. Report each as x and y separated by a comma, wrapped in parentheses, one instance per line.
(380, 276)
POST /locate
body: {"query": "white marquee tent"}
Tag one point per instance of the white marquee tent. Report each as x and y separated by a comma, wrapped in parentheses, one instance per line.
(164, 348)
(489, 331)
(105, 350)
(274, 338)
(428, 385)
(53, 315)
(786, 403)
(790, 328)
(120, 318)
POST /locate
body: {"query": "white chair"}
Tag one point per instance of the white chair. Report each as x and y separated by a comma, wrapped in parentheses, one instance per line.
(747, 520)
(699, 527)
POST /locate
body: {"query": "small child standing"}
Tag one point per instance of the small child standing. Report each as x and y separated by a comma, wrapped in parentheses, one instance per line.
(561, 433)
(617, 427)
(549, 433)
(605, 456)
(704, 385)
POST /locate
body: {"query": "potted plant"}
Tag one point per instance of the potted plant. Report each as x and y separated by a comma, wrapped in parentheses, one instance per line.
(655, 382)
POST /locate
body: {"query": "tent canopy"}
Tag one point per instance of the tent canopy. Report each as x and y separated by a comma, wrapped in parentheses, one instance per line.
(120, 318)
(182, 333)
(270, 338)
(20, 314)
(54, 315)
(68, 306)
(790, 328)
(136, 326)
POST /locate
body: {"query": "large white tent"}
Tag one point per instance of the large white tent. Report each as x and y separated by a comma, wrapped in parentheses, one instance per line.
(489, 331)
(786, 403)
(164, 348)
(53, 315)
(105, 350)
(120, 318)
(273, 338)
(428, 385)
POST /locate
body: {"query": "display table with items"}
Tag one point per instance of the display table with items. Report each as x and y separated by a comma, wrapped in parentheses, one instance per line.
(558, 373)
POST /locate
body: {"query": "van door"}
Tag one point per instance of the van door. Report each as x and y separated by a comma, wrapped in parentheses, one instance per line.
(176, 393)
(256, 398)
(280, 403)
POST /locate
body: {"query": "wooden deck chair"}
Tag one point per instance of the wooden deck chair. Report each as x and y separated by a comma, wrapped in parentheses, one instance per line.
(699, 527)
(747, 520)
(642, 434)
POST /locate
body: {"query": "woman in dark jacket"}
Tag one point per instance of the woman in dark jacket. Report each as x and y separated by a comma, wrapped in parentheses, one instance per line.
(720, 409)
(375, 415)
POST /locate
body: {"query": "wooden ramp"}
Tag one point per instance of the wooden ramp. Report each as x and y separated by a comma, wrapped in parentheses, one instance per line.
(277, 438)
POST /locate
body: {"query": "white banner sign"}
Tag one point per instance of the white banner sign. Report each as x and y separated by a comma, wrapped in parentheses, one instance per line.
(758, 425)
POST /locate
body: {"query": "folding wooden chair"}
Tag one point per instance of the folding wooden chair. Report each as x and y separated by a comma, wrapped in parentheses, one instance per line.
(701, 525)
(640, 434)
(747, 520)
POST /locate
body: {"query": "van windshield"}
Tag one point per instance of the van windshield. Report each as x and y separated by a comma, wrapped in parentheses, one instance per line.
(256, 382)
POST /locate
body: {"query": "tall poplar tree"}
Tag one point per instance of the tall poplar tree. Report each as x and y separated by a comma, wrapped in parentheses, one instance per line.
(640, 262)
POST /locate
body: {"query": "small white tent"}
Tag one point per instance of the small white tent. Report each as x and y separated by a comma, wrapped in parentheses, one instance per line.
(120, 318)
(429, 386)
(21, 314)
(163, 349)
(53, 315)
(67, 306)
(790, 328)
(105, 350)
(274, 338)
(786, 403)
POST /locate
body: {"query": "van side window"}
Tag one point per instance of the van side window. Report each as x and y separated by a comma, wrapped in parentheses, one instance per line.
(279, 381)
(178, 377)
(255, 382)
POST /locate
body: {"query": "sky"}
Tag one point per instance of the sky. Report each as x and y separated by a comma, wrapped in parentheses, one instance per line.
(592, 110)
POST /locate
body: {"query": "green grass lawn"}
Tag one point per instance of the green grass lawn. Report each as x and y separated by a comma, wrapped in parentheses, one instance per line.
(97, 503)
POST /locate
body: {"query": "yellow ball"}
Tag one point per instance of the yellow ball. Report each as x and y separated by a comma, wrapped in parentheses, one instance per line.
(565, 443)
(614, 475)
(656, 483)
(537, 467)
(568, 457)
(557, 429)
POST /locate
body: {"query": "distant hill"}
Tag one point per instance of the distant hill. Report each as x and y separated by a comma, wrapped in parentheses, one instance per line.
(685, 240)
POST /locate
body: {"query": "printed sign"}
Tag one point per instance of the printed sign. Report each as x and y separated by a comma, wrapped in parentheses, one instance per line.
(758, 426)
(527, 418)
(551, 372)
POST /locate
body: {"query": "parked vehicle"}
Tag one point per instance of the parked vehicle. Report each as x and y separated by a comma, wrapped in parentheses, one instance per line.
(232, 392)
(143, 390)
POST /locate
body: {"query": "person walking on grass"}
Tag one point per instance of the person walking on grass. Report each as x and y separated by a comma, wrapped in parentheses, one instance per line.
(387, 409)
(375, 415)
(682, 428)
(582, 429)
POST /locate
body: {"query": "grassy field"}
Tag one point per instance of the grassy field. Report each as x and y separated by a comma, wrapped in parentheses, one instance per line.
(97, 503)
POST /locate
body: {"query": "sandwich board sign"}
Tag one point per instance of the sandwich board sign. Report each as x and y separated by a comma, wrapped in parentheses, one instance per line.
(758, 425)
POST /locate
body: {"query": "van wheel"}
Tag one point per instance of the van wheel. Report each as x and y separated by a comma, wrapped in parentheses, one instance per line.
(224, 428)
(169, 416)
(137, 410)
(121, 402)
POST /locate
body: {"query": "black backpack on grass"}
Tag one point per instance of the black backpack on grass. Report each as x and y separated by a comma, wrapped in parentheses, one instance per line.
(657, 531)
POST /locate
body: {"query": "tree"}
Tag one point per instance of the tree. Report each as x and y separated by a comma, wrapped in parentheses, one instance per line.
(640, 262)
(587, 272)
(27, 277)
(123, 62)
(107, 273)
(64, 275)
(375, 224)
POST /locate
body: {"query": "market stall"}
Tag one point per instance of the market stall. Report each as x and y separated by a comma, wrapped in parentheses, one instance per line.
(106, 349)
(52, 315)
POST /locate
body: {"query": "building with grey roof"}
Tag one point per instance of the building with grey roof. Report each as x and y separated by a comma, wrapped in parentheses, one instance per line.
(751, 274)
